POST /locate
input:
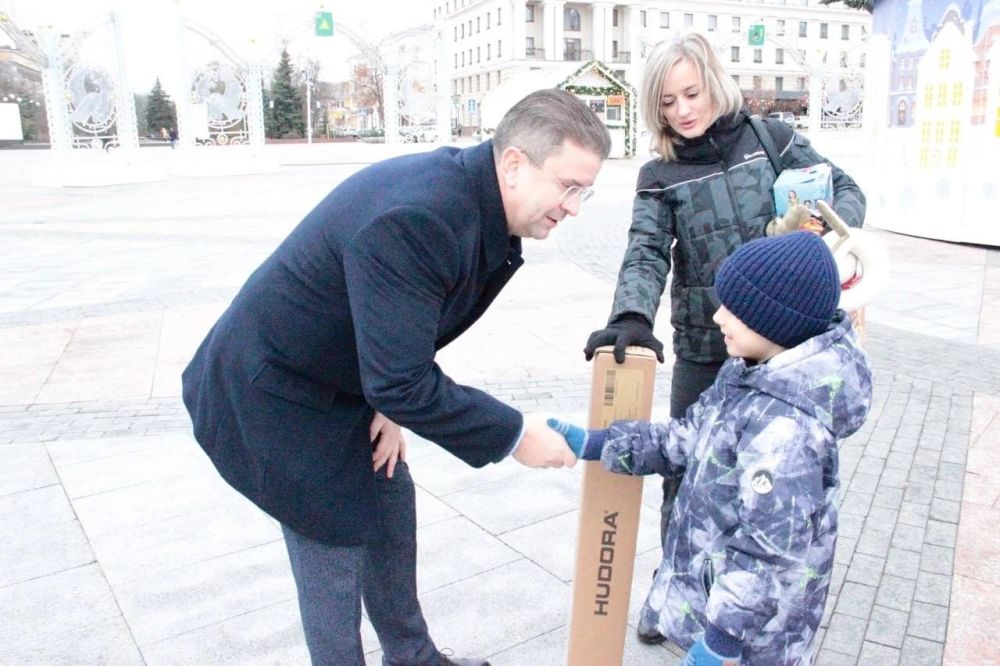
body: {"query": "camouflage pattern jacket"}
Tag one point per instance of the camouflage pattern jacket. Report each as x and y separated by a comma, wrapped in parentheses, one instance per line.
(751, 539)
(694, 212)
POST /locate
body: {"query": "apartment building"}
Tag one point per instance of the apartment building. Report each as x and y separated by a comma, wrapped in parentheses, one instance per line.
(491, 41)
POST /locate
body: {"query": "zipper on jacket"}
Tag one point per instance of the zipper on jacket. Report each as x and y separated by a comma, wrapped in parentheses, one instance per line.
(740, 224)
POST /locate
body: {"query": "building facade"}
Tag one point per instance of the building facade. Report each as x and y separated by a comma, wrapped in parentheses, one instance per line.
(490, 41)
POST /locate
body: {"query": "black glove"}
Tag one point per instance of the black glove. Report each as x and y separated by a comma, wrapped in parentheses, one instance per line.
(627, 329)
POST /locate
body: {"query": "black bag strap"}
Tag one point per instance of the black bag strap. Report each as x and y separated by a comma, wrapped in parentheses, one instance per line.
(764, 136)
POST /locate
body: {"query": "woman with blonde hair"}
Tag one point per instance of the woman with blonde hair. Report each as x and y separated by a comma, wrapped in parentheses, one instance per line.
(707, 192)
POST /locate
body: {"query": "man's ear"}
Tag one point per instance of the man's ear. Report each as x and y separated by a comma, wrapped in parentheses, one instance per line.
(511, 160)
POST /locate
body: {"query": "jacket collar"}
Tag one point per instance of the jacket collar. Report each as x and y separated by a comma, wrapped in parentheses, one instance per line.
(498, 244)
(720, 135)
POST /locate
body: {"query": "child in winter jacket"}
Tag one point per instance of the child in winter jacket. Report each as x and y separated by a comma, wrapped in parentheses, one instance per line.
(749, 549)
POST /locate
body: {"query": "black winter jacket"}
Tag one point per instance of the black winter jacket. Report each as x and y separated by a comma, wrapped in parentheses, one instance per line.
(692, 213)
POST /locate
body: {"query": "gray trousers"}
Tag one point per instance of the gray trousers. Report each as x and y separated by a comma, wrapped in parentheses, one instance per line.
(332, 580)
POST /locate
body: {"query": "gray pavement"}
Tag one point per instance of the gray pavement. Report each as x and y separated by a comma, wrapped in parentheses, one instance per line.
(120, 544)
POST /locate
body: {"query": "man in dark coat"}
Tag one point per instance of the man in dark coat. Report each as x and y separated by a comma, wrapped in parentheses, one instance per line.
(300, 389)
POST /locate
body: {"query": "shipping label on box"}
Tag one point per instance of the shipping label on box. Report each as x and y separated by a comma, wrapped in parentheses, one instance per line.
(804, 186)
(609, 516)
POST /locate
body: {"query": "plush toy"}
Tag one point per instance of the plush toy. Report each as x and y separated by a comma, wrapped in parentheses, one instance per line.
(796, 218)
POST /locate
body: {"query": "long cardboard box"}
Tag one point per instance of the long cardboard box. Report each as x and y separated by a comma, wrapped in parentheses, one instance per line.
(609, 516)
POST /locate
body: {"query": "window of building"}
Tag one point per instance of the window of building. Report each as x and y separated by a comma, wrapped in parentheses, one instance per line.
(688, 20)
(758, 55)
(614, 113)
(664, 19)
(642, 18)
(779, 83)
(455, 28)
(456, 61)
(529, 46)
(614, 48)
(843, 60)
(779, 56)
(478, 53)
(488, 21)
(498, 48)
(802, 83)
(734, 53)
(781, 27)
(529, 13)
(944, 60)
(572, 49)
(845, 31)
(736, 24)
(498, 16)
(478, 78)
(489, 49)
(463, 58)
(824, 30)
(477, 24)
(463, 31)
(803, 29)
(571, 20)
(957, 93)
(713, 22)
(614, 17)
(756, 83)
(736, 79)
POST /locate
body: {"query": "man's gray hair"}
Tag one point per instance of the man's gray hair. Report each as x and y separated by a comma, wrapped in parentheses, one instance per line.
(542, 121)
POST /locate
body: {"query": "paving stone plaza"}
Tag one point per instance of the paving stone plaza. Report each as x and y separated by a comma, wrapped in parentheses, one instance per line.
(119, 544)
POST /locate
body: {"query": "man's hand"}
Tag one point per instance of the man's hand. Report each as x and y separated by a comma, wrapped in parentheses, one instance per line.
(628, 329)
(389, 443)
(542, 446)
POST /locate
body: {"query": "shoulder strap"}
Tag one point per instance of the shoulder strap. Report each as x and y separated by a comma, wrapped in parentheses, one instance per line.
(764, 136)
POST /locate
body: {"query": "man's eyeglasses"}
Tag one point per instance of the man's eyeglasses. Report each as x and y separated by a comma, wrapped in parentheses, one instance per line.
(570, 192)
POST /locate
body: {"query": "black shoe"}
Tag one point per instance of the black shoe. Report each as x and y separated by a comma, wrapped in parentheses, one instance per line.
(649, 636)
(448, 660)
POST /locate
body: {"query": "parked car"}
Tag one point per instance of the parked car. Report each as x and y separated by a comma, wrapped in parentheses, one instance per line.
(784, 116)
(801, 122)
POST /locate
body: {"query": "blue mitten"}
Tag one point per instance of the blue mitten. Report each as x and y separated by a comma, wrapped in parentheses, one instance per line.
(702, 655)
(585, 444)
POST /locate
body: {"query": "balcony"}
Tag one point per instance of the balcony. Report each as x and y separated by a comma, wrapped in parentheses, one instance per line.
(571, 55)
(538, 54)
(623, 57)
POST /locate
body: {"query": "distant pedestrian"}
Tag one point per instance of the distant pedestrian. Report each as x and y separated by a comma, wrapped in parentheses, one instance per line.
(173, 137)
(164, 134)
(748, 555)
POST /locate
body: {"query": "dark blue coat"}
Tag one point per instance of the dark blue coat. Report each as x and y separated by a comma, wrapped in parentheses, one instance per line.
(345, 318)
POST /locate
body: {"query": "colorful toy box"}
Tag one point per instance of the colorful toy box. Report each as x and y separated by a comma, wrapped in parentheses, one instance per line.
(804, 186)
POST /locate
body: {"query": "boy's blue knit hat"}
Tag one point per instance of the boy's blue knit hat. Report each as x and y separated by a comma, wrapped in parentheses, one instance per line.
(785, 288)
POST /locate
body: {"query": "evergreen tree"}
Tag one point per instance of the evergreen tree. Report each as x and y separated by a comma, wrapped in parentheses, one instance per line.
(853, 4)
(285, 103)
(160, 110)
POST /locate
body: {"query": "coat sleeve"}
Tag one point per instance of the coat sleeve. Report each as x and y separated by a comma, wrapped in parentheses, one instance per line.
(399, 270)
(641, 447)
(848, 199)
(646, 264)
(780, 488)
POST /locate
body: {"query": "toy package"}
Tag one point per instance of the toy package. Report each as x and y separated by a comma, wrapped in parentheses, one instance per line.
(803, 186)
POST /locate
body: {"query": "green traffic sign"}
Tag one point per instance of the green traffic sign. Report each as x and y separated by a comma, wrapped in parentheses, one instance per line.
(756, 35)
(324, 24)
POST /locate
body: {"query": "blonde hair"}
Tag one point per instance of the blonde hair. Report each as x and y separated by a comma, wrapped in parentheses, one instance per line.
(722, 89)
